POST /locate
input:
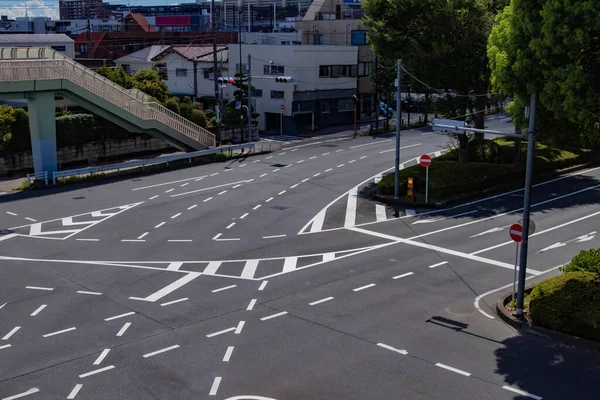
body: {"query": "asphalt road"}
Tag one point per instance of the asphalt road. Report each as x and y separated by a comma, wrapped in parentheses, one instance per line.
(274, 277)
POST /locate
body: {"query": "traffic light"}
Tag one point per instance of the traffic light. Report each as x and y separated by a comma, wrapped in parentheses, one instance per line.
(410, 187)
(225, 80)
(284, 79)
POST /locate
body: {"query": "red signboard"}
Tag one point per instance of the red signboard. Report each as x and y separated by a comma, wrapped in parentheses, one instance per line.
(425, 160)
(183, 20)
(516, 232)
(282, 107)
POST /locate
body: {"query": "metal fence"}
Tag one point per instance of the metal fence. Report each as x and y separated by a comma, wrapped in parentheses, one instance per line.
(41, 176)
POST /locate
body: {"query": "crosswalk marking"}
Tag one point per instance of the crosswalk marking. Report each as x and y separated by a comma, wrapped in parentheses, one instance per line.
(290, 264)
(249, 269)
(380, 212)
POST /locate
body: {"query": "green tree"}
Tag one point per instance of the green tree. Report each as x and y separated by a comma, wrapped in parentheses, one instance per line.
(117, 75)
(149, 82)
(173, 105)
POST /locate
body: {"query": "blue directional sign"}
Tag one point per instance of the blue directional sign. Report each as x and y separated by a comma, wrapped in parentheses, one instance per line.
(238, 105)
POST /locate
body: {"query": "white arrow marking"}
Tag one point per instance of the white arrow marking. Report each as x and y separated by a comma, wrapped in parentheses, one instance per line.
(580, 239)
(488, 231)
(554, 246)
(586, 238)
(429, 221)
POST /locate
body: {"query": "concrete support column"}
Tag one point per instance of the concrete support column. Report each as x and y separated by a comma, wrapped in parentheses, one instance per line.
(42, 124)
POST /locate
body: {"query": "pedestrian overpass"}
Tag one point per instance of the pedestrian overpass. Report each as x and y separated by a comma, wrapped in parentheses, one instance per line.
(39, 74)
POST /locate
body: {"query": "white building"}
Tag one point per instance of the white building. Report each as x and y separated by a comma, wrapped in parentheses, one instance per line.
(324, 80)
(58, 42)
(141, 59)
(44, 25)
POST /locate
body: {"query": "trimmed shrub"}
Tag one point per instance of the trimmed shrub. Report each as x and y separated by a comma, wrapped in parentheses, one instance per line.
(199, 118)
(186, 109)
(173, 105)
(585, 261)
(21, 141)
(74, 130)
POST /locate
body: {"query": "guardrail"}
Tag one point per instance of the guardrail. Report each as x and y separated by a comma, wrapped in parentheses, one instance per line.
(37, 176)
(62, 175)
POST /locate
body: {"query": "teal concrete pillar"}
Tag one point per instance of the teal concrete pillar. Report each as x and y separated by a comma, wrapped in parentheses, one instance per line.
(42, 125)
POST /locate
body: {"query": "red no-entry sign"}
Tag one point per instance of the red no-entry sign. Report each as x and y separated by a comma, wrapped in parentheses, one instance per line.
(516, 232)
(425, 160)
(282, 107)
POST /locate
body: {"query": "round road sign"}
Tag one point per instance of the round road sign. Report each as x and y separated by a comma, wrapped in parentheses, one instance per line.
(282, 107)
(516, 232)
(425, 160)
(531, 225)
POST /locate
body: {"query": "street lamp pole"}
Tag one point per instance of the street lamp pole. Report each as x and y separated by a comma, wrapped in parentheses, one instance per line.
(398, 123)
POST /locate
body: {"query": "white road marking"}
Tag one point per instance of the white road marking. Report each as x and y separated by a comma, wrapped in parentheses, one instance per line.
(2, 306)
(304, 180)
(38, 310)
(230, 225)
(227, 355)
(199, 179)
(266, 158)
(159, 225)
(263, 285)
(133, 240)
(299, 162)
(236, 186)
(161, 351)
(244, 216)
(403, 275)
(12, 213)
(313, 157)
(31, 219)
(263, 175)
(488, 231)
(6, 346)
(363, 157)
(120, 316)
(184, 184)
(378, 178)
(223, 192)
(429, 221)
(191, 207)
(325, 154)
(294, 186)
(168, 303)
(521, 392)
(170, 183)
(224, 288)
(249, 269)
(401, 148)
(337, 151)
(218, 235)
(143, 235)
(59, 332)
(317, 174)
(273, 316)
(449, 368)
(215, 386)
(350, 219)
(363, 287)
(328, 257)
(410, 212)
(380, 212)
(88, 240)
(12, 332)
(101, 357)
(351, 161)
(169, 191)
(239, 327)
(251, 305)
(176, 215)
(124, 329)
(190, 276)
(38, 288)
(220, 332)
(74, 392)
(207, 199)
(275, 170)
(370, 144)
(385, 346)
(207, 188)
(329, 169)
(314, 303)
(290, 264)
(274, 236)
(18, 396)
(243, 165)
(216, 173)
(254, 162)
(341, 165)
(552, 246)
(282, 192)
(96, 371)
(257, 207)
(438, 264)
(293, 150)
(92, 293)
(287, 166)
(268, 200)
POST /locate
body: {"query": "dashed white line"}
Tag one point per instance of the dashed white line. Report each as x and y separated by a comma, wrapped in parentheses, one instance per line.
(244, 216)
(269, 199)
(249, 180)
(74, 392)
(96, 371)
(179, 240)
(358, 289)
(124, 329)
(521, 392)
(299, 162)
(159, 225)
(257, 207)
(314, 303)
(263, 175)
(305, 180)
(215, 386)
(438, 264)
(337, 151)
(38, 310)
(11, 213)
(273, 316)
(88, 240)
(101, 357)
(266, 158)
(385, 346)
(169, 191)
(59, 332)
(263, 285)
(227, 355)
(329, 169)
(363, 157)
(161, 351)
(133, 240)
(31, 219)
(291, 151)
(236, 186)
(294, 186)
(341, 165)
(120, 316)
(223, 192)
(218, 235)
(282, 192)
(210, 335)
(254, 162)
(251, 305)
(243, 165)
(239, 327)
(325, 154)
(91, 293)
(224, 288)
(208, 199)
(176, 215)
(230, 225)
(191, 207)
(216, 173)
(275, 170)
(18, 396)
(184, 184)
(282, 153)
(273, 236)
(2, 306)
(12, 332)
(168, 303)
(199, 179)
(350, 162)
(449, 368)
(38, 288)
(313, 157)
(143, 235)
(317, 174)
(403, 275)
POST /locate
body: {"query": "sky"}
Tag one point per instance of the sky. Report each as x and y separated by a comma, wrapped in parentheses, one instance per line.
(49, 8)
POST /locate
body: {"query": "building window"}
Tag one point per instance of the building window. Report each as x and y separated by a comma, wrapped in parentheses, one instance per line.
(271, 69)
(181, 72)
(325, 71)
(344, 70)
(256, 92)
(359, 38)
(317, 38)
(277, 94)
(364, 68)
(82, 48)
(244, 68)
(59, 48)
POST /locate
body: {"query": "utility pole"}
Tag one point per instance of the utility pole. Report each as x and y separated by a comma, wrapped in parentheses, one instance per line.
(526, 205)
(240, 43)
(398, 123)
(213, 25)
(249, 97)
(376, 95)
(89, 32)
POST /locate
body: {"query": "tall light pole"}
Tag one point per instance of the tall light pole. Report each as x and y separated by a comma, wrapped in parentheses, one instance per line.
(213, 25)
(355, 101)
(398, 123)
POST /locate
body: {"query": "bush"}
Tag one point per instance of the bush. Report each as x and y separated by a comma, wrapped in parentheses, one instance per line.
(74, 130)
(173, 105)
(568, 303)
(199, 118)
(21, 140)
(585, 261)
(186, 109)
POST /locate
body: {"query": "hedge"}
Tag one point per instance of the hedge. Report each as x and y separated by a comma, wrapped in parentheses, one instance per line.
(585, 261)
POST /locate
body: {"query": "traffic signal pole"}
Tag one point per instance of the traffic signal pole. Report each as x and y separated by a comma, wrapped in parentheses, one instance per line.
(249, 97)
(398, 123)
(213, 25)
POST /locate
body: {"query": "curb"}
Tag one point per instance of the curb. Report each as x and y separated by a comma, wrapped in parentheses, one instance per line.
(524, 326)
